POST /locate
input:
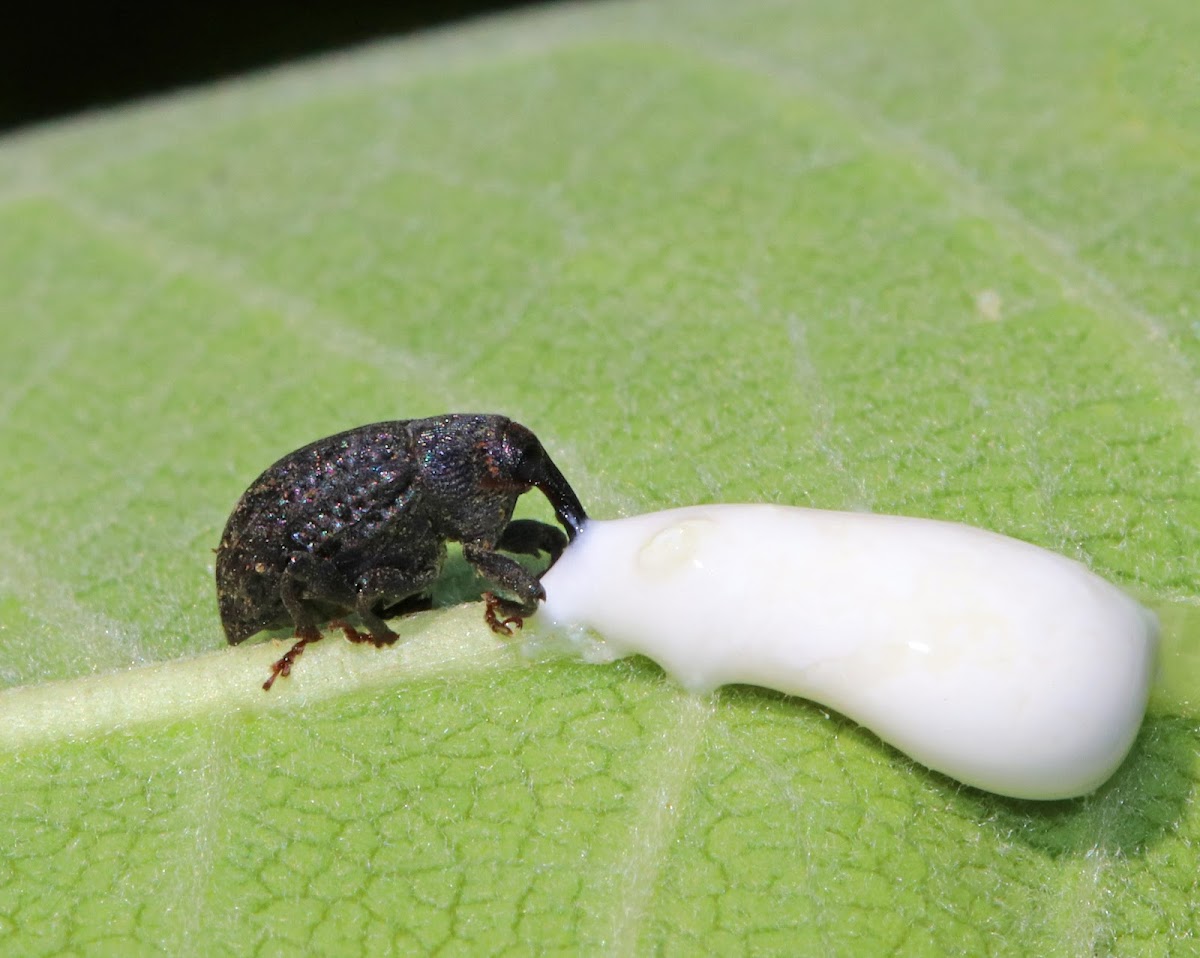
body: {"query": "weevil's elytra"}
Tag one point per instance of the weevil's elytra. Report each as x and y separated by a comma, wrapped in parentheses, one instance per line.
(357, 523)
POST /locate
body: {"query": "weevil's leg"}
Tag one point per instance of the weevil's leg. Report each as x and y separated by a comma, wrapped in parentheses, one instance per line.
(394, 586)
(306, 577)
(310, 578)
(529, 537)
(283, 666)
(509, 613)
(353, 635)
(514, 578)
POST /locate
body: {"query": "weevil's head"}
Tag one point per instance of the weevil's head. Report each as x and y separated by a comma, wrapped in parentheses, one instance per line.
(474, 466)
(522, 459)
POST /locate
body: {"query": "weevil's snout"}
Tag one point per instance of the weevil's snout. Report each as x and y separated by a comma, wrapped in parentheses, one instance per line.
(567, 506)
(533, 465)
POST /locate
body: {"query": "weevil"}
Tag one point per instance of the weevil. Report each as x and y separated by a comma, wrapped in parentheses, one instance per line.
(357, 524)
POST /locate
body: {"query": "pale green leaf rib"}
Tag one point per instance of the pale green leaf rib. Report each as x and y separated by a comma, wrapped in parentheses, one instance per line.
(230, 680)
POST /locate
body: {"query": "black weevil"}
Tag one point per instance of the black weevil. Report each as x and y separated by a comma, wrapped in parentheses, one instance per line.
(358, 523)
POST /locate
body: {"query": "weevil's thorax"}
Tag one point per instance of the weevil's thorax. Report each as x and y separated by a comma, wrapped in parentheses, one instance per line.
(468, 491)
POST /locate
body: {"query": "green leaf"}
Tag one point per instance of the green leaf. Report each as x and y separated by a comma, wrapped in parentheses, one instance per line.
(937, 259)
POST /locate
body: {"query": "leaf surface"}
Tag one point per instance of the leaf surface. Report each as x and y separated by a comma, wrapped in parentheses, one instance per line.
(935, 260)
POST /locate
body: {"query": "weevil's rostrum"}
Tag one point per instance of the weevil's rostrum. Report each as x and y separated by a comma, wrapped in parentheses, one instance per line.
(356, 524)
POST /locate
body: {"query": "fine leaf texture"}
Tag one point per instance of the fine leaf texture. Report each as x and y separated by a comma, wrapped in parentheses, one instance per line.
(934, 259)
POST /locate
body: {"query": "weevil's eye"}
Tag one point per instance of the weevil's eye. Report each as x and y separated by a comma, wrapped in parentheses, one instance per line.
(522, 451)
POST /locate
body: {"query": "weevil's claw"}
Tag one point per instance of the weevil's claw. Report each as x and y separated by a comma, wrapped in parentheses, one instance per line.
(284, 665)
(499, 625)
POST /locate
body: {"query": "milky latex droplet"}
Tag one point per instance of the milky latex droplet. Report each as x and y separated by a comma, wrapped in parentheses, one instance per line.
(998, 663)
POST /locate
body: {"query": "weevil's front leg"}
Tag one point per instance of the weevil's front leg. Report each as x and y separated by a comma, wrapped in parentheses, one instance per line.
(513, 578)
(499, 613)
(529, 537)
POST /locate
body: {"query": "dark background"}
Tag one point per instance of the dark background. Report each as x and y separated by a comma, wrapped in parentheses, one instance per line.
(60, 58)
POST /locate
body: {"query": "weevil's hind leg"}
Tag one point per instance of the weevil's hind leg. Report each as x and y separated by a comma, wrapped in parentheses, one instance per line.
(529, 537)
(307, 577)
(284, 665)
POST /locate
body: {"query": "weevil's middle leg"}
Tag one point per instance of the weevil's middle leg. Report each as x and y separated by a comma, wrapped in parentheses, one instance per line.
(393, 590)
(353, 635)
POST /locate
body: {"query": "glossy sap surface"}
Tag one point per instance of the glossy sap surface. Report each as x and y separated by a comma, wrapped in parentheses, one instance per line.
(996, 662)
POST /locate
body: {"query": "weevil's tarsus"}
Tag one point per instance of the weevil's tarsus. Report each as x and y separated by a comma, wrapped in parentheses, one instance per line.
(494, 607)
(283, 666)
(388, 637)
